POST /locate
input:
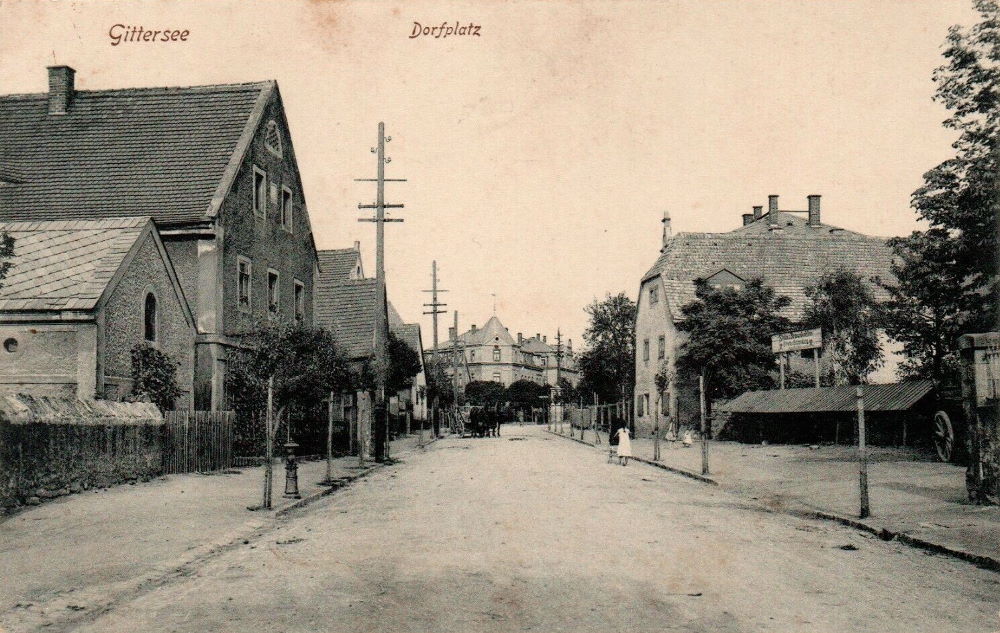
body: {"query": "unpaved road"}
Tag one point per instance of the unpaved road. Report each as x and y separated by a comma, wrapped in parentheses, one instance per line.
(531, 532)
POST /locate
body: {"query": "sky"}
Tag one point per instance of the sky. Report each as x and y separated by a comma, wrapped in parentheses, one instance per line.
(542, 154)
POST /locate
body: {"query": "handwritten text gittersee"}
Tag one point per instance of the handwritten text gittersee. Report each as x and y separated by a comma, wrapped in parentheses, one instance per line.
(445, 29)
(120, 33)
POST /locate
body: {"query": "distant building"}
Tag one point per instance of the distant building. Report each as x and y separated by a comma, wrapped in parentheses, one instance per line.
(789, 250)
(79, 296)
(214, 167)
(490, 353)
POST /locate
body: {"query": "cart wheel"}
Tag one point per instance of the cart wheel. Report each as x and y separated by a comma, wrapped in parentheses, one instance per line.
(944, 436)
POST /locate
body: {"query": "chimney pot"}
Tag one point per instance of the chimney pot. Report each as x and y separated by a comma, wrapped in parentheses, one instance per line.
(747, 218)
(813, 210)
(520, 338)
(758, 212)
(772, 210)
(357, 245)
(538, 336)
(60, 88)
(545, 339)
(473, 327)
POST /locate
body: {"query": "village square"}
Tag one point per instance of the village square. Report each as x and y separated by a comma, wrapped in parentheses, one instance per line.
(223, 408)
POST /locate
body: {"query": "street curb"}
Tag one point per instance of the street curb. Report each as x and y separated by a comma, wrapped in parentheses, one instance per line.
(979, 560)
(680, 471)
(885, 534)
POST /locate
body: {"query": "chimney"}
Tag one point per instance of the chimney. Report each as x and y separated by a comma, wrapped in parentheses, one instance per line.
(473, 327)
(569, 345)
(520, 338)
(452, 334)
(545, 339)
(758, 213)
(357, 245)
(772, 210)
(667, 230)
(538, 336)
(813, 210)
(747, 218)
(60, 89)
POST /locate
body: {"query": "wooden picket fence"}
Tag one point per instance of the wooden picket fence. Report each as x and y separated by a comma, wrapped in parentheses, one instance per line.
(197, 441)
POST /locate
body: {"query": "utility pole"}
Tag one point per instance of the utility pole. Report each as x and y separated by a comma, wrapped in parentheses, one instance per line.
(862, 454)
(435, 310)
(381, 351)
(557, 405)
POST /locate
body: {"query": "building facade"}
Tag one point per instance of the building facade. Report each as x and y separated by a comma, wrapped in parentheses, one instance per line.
(788, 249)
(79, 297)
(490, 353)
(213, 166)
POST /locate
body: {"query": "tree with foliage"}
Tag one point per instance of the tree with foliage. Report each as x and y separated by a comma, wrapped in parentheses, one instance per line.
(525, 395)
(439, 385)
(607, 366)
(946, 281)
(729, 337)
(6, 253)
(305, 363)
(154, 377)
(404, 364)
(842, 304)
(567, 393)
(485, 393)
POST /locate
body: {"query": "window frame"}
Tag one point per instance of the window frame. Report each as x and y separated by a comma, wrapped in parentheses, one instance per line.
(248, 306)
(156, 318)
(496, 354)
(287, 216)
(645, 349)
(299, 298)
(661, 347)
(654, 295)
(259, 197)
(273, 307)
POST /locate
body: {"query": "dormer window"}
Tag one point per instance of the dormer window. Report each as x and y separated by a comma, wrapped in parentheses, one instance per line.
(272, 138)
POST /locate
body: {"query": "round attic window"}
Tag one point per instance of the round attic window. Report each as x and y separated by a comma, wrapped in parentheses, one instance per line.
(10, 345)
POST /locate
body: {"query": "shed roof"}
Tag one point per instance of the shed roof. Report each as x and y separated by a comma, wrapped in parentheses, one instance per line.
(136, 151)
(897, 396)
(788, 260)
(66, 265)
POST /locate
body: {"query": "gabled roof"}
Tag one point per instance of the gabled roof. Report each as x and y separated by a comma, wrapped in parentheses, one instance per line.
(484, 335)
(410, 334)
(348, 311)
(536, 346)
(160, 152)
(789, 259)
(72, 264)
(338, 264)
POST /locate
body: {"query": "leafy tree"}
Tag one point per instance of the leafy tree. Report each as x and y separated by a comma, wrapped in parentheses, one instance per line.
(607, 366)
(730, 337)
(6, 252)
(404, 364)
(843, 305)
(438, 383)
(485, 393)
(567, 393)
(946, 278)
(525, 395)
(305, 363)
(154, 377)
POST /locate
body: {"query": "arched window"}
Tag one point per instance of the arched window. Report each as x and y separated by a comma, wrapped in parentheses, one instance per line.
(149, 318)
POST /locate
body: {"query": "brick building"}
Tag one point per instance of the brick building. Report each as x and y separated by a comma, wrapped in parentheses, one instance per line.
(79, 296)
(212, 165)
(788, 249)
(492, 354)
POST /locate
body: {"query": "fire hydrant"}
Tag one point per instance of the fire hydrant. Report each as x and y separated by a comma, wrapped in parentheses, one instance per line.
(291, 472)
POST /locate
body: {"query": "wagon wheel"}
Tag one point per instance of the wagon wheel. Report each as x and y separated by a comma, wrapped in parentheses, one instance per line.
(944, 436)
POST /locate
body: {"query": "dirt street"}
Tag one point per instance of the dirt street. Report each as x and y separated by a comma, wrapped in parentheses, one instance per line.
(535, 533)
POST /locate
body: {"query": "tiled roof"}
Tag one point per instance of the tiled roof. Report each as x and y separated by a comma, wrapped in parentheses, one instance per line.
(65, 265)
(338, 264)
(535, 346)
(788, 260)
(348, 311)
(480, 336)
(158, 152)
(409, 333)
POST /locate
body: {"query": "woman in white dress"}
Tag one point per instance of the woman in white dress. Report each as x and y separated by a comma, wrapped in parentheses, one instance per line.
(624, 446)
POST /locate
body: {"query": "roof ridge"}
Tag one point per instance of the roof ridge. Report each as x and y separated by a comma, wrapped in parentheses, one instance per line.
(146, 89)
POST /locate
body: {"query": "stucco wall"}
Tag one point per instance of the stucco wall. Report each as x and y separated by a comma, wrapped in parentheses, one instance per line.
(123, 319)
(45, 361)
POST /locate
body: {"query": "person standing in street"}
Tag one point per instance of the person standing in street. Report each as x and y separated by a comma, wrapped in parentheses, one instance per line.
(624, 446)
